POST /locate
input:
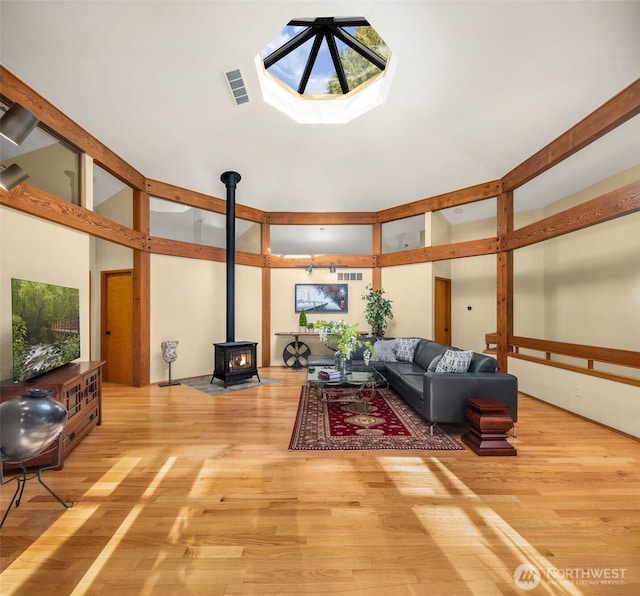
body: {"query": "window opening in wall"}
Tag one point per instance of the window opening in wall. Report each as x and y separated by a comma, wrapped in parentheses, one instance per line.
(403, 234)
(51, 165)
(112, 198)
(177, 221)
(321, 240)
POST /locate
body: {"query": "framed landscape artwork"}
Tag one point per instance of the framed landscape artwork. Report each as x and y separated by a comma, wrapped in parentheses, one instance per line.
(322, 297)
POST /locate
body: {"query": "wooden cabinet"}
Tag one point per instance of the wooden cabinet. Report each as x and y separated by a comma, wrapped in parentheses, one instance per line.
(79, 387)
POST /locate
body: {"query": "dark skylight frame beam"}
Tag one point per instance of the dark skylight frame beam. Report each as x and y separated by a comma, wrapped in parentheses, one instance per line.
(329, 28)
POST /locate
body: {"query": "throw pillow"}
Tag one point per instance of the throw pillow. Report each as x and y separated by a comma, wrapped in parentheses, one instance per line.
(455, 361)
(406, 348)
(385, 350)
(434, 363)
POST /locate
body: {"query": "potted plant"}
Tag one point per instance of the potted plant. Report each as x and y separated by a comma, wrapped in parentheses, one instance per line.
(302, 320)
(377, 310)
(344, 338)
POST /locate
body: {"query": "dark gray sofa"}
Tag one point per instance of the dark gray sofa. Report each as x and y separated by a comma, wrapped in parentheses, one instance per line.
(437, 396)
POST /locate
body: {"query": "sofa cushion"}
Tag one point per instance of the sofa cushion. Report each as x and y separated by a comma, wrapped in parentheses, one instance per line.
(385, 350)
(483, 363)
(406, 348)
(399, 369)
(455, 361)
(426, 351)
(434, 363)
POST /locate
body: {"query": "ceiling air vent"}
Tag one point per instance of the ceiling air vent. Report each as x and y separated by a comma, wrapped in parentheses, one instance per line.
(237, 86)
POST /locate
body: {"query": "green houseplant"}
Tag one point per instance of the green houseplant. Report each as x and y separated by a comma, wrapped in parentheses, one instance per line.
(302, 320)
(344, 338)
(377, 310)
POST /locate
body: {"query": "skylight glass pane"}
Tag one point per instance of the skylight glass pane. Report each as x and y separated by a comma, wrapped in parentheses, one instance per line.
(323, 79)
(289, 69)
(323, 70)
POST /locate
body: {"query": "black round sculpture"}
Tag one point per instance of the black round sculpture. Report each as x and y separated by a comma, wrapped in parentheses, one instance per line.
(28, 424)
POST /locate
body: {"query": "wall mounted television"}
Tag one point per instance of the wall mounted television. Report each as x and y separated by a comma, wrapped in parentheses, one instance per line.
(45, 327)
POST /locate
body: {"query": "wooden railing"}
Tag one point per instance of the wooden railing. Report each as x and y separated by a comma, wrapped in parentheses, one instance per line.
(554, 349)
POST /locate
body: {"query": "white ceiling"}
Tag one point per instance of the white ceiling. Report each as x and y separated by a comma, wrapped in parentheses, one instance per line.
(478, 88)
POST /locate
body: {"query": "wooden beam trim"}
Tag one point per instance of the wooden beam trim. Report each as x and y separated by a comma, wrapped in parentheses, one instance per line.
(578, 369)
(340, 261)
(191, 250)
(469, 248)
(33, 201)
(618, 202)
(170, 192)
(15, 90)
(583, 351)
(265, 346)
(471, 194)
(317, 218)
(620, 108)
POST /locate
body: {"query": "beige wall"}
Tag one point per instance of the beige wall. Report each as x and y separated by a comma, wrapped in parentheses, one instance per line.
(285, 319)
(410, 288)
(188, 304)
(610, 403)
(36, 250)
(582, 287)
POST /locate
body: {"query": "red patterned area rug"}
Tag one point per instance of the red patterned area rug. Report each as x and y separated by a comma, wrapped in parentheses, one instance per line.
(389, 424)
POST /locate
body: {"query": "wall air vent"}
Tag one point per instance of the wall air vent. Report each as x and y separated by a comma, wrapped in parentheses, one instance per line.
(237, 86)
(349, 276)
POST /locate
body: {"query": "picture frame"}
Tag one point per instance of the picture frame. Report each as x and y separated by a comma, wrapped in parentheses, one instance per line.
(325, 298)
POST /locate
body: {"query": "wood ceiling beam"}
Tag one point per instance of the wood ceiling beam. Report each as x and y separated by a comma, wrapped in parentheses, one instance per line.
(618, 202)
(61, 126)
(471, 194)
(620, 108)
(318, 218)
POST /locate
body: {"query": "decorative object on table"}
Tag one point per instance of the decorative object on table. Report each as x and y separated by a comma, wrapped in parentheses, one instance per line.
(322, 297)
(169, 355)
(377, 310)
(345, 338)
(302, 320)
(328, 374)
(295, 353)
(389, 423)
(28, 425)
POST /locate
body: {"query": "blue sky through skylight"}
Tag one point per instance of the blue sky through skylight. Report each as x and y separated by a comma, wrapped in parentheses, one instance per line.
(290, 68)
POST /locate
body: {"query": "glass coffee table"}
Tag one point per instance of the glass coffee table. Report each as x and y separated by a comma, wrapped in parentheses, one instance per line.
(353, 387)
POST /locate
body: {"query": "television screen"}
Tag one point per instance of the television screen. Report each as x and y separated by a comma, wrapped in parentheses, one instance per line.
(45, 327)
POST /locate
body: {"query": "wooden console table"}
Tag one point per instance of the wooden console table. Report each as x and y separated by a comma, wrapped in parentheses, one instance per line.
(78, 386)
(488, 426)
(296, 353)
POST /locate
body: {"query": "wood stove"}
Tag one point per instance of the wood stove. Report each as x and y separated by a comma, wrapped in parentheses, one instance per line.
(233, 360)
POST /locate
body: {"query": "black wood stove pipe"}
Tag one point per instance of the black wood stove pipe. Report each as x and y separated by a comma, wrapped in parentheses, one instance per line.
(230, 180)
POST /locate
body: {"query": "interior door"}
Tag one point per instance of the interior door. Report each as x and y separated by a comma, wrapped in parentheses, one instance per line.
(117, 326)
(442, 311)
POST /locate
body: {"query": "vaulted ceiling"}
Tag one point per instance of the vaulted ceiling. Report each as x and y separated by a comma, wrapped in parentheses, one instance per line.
(478, 87)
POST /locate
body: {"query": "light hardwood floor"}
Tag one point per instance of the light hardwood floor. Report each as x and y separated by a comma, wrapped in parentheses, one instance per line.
(181, 493)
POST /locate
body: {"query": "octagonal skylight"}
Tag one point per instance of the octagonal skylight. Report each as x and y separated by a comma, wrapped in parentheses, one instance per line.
(328, 69)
